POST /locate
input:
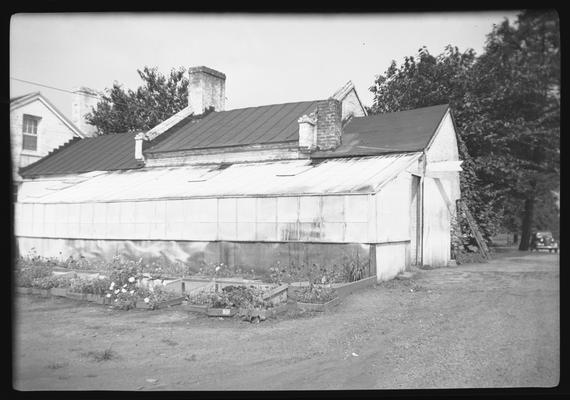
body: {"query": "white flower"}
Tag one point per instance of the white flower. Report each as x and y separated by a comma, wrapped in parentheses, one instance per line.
(101, 277)
(112, 286)
(151, 288)
(125, 285)
(108, 294)
(146, 299)
(217, 269)
(132, 279)
(123, 290)
(132, 291)
(116, 291)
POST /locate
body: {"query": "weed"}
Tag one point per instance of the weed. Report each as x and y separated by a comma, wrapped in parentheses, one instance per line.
(105, 355)
(170, 342)
(57, 365)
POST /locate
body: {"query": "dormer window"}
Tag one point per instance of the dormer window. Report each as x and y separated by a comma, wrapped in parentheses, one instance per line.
(30, 132)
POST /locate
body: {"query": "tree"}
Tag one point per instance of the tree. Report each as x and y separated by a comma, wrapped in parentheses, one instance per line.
(132, 111)
(517, 92)
(506, 104)
(427, 80)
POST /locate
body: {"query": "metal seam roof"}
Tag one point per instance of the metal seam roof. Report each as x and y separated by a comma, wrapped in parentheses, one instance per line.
(391, 133)
(109, 152)
(252, 125)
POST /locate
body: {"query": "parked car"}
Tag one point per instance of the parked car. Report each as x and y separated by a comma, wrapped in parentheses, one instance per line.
(543, 241)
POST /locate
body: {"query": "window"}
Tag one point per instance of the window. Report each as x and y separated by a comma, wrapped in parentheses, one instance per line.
(30, 132)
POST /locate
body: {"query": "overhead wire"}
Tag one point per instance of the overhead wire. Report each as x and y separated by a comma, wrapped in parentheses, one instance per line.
(88, 95)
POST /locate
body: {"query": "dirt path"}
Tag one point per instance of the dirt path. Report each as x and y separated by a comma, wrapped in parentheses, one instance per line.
(481, 325)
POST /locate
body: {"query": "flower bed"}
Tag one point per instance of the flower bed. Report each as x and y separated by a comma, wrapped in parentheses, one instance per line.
(129, 285)
(316, 297)
(248, 302)
(319, 307)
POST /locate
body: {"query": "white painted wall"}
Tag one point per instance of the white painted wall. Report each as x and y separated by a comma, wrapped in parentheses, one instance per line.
(351, 106)
(391, 259)
(393, 227)
(440, 192)
(444, 144)
(392, 215)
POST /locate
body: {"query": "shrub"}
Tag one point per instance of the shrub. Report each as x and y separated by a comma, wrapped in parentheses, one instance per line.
(316, 294)
(122, 270)
(154, 295)
(27, 271)
(351, 270)
(97, 286)
(232, 296)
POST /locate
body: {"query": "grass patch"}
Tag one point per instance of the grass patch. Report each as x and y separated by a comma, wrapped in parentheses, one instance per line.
(170, 342)
(105, 355)
(57, 365)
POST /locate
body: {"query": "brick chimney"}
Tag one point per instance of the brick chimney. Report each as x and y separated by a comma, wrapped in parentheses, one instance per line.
(329, 124)
(84, 100)
(206, 88)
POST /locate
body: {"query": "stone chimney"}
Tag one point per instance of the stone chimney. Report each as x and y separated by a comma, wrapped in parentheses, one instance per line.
(84, 100)
(329, 124)
(206, 88)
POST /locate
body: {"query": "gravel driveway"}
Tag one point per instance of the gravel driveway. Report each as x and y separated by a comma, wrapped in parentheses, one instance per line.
(472, 326)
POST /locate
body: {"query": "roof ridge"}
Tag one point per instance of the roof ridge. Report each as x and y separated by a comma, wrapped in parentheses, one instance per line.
(409, 110)
(20, 97)
(274, 104)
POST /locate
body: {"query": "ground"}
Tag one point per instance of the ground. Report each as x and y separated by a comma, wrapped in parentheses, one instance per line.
(479, 326)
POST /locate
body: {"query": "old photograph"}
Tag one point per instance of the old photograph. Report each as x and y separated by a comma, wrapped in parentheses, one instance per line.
(294, 201)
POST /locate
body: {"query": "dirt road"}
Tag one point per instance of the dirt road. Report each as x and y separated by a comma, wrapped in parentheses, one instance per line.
(481, 326)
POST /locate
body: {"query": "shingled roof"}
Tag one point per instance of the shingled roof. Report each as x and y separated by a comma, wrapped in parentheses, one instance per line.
(398, 132)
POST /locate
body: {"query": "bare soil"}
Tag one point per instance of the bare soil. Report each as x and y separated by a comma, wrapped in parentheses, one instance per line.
(486, 325)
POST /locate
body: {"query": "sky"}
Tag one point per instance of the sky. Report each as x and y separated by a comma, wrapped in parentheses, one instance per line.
(267, 58)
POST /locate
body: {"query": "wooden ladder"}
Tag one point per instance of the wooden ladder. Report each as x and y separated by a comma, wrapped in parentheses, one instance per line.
(475, 229)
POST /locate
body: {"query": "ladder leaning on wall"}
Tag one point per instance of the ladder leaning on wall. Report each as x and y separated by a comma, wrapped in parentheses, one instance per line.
(474, 229)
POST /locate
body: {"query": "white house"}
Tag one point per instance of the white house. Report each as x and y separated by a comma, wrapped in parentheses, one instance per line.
(37, 127)
(305, 182)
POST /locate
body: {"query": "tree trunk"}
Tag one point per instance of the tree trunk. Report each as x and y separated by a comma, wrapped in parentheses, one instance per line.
(527, 221)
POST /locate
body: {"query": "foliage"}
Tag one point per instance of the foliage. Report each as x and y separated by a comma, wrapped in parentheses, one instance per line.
(316, 294)
(124, 271)
(350, 270)
(221, 270)
(506, 106)
(518, 95)
(138, 110)
(154, 295)
(245, 297)
(48, 282)
(96, 286)
(200, 298)
(81, 263)
(29, 270)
